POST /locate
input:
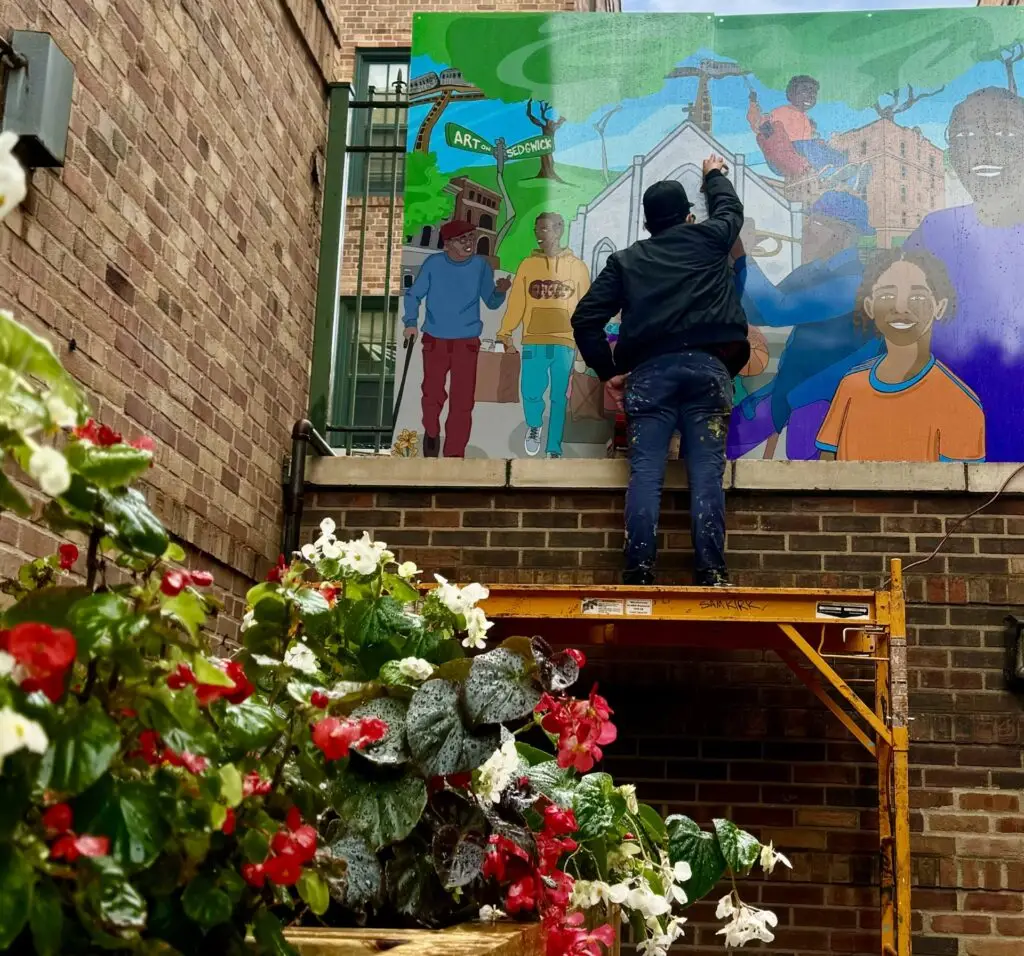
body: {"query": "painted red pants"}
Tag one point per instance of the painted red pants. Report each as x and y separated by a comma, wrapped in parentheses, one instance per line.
(443, 358)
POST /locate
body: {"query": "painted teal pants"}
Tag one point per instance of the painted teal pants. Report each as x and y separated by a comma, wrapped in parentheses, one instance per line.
(546, 366)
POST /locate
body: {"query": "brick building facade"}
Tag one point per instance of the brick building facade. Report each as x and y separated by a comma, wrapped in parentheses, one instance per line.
(173, 264)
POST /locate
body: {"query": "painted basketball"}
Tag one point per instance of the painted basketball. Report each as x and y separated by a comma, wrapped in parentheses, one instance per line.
(758, 353)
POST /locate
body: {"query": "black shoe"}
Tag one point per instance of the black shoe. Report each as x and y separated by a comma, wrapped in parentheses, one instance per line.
(713, 579)
(431, 446)
(638, 577)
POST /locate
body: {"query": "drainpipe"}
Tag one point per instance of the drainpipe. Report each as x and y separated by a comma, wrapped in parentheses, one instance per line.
(304, 436)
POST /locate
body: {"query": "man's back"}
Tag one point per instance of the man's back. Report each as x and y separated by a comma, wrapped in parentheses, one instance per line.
(675, 291)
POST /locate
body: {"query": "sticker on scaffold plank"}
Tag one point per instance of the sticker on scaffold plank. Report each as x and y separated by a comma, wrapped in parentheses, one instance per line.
(601, 607)
(843, 612)
(640, 607)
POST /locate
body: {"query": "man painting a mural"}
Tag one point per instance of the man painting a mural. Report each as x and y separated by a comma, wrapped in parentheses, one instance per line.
(848, 135)
(453, 283)
(548, 285)
(682, 339)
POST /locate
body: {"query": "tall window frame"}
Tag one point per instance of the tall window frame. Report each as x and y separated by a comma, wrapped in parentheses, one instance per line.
(379, 68)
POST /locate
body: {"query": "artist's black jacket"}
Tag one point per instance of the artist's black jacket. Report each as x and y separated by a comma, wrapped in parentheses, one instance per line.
(675, 292)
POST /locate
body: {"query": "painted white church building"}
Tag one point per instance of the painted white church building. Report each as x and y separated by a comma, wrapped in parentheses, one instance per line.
(615, 218)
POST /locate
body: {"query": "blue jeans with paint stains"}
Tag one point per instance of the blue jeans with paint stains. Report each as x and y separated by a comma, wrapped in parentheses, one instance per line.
(690, 391)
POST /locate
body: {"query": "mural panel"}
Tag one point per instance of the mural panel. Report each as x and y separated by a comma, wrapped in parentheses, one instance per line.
(880, 160)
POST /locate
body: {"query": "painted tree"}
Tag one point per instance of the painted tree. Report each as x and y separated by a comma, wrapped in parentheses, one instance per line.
(887, 62)
(1010, 57)
(426, 202)
(574, 67)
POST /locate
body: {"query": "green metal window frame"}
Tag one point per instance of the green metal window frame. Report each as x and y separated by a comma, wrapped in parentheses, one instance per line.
(383, 130)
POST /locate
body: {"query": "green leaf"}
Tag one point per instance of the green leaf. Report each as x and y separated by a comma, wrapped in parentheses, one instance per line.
(595, 806)
(313, 890)
(45, 606)
(231, 882)
(557, 784)
(208, 673)
(255, 846)
(31, 356)
(400, 589)
(383, 812)
(688, 843)
(178, 718)
(81, 750)
(652, 823)
(101, 622)
(131, 524)
(458, 856)
(175, 553)
(230, 784)
(500, 688)
(532, 756)
(11, 499)
(353, 872)
(739, 848)
(310, 604)
(46, 919)
(373, 622)
(129, 814)
(17, 878)
(116, 904)
(187, 610)
(393, 749)
(269, 935)
(413, 888)
(109, 466)
(204, 903)
(439, 742)
(249, 725)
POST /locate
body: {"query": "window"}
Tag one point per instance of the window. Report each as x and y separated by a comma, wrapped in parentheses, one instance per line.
(903, 149)
(863, 147)
(364, 394)
(602, 251)
(379, 70)
(903, 171)
(486, 221)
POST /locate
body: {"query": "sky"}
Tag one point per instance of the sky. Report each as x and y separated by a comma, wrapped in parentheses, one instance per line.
(784, 6)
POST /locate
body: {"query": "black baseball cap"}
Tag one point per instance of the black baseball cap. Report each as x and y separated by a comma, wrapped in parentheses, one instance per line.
(665, 204)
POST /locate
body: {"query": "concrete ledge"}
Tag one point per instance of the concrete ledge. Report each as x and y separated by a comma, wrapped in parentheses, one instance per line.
(581, 474)
(850, 476)
(385, 471)
(988, 478)
(591, 473)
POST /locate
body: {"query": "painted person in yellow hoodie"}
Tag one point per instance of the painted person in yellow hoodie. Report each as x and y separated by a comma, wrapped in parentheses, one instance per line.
(545, 291)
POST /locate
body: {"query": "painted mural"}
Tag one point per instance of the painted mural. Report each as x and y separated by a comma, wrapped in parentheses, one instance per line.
(880, 160)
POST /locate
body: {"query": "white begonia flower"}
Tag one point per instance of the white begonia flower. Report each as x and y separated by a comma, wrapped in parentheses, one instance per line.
(7, 664)
(261, 660)
(408, 570)
(309, 552)
(331, 550)
(474, 593)
(616, 893)
(746, 922)
(361, 555)
(345, 687)
(495, 774)
(415, 668)
(50, 469)
(477, 627)
(659, 942)
(621, 854)
(449, 595)
(628, 792)
(61, 412)
(248, 620)
(491, 914)
(301, 658)
(646, 902)
(586, 894)
(769, 858)
(13, 184)
(327, 527)
(18, 732)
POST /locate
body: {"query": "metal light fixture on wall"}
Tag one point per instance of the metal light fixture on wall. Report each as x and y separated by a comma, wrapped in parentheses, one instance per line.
(38, 84)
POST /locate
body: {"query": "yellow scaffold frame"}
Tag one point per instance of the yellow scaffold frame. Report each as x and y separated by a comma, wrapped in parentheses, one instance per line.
(809, 629)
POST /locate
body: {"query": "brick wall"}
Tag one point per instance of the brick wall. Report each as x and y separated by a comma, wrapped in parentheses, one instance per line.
(172, 262)
(738, 736)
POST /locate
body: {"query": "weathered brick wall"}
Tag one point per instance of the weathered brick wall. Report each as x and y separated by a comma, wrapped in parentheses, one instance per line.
(172, 262)
(732, 733)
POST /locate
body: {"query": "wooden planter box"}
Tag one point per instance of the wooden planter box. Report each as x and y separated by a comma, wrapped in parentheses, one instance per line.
(470, 939)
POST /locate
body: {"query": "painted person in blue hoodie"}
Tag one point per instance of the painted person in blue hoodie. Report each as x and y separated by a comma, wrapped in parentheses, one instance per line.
(453, 282)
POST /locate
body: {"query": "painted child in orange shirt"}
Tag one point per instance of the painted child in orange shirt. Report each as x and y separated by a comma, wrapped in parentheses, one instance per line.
(904, 405)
